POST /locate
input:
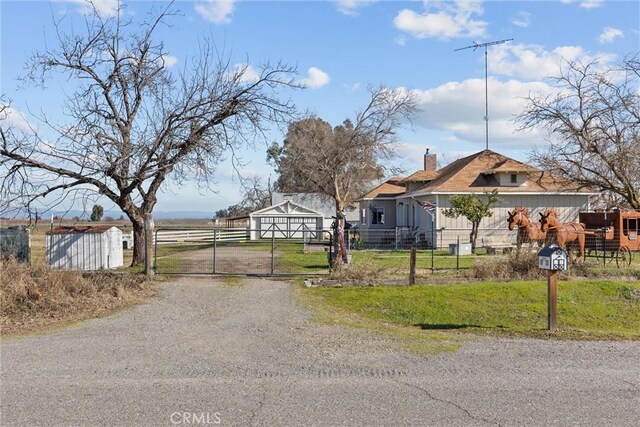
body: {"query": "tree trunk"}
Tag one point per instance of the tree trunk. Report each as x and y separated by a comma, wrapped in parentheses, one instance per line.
(336, 262)
(138, 241)
(473, 236)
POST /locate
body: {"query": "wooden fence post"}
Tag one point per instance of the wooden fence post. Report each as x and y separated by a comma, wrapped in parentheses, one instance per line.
(412, 266)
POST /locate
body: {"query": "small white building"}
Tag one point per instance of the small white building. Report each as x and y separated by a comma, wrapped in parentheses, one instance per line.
(286, 220)
(317, 203)
(84, 248)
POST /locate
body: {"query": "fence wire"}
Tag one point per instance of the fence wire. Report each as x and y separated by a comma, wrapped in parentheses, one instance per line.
(241, 251)
(282, 252)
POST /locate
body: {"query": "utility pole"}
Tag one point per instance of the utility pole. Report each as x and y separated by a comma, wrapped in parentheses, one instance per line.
(474, 46)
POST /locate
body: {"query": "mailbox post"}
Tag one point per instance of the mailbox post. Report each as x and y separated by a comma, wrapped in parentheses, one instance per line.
(552, 258)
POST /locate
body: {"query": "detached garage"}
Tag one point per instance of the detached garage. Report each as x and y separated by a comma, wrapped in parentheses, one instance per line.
(286, 220)
(84, 248)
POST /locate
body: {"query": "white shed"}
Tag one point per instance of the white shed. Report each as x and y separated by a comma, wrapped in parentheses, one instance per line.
(286, 220)
(84, 248)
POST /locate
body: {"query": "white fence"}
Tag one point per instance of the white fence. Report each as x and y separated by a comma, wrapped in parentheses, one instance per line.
(167, 237)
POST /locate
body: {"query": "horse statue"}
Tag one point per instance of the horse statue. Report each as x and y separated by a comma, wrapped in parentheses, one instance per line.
(528, 232)
(562, 234)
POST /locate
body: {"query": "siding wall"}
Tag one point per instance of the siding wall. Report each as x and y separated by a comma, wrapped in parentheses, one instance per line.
(389, 213)
(568, 207)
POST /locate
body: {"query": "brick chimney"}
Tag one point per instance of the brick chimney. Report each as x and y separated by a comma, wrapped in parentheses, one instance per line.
(430, 161)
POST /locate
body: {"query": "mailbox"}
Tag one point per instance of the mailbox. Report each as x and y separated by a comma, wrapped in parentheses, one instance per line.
(552, 257)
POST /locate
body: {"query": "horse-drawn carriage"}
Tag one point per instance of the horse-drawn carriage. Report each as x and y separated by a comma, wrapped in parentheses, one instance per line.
(608, 236)
(613, 235)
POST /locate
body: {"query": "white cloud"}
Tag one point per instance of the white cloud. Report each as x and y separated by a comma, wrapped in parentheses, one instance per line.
(169, 60)
(316, 78)
(443, 20)
(105, 8)
(585, 4)
(591, 4)
(609, 34)
(400, 40)
(459, 108)
(522, 19)
(411, 151)
(216, 11)
(248, 74)
(533, 61)
(15, 119)
(350, 7)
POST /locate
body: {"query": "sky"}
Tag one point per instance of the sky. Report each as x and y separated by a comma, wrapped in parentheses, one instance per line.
(342, 48)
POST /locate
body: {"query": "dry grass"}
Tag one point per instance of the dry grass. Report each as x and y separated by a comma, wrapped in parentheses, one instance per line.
(517, 265)
(35, 298)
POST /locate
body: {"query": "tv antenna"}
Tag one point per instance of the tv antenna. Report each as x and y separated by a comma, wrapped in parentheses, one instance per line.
(474, 46)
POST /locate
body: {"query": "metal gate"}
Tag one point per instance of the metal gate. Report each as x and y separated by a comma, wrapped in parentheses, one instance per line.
(264, 252)
(291, 228)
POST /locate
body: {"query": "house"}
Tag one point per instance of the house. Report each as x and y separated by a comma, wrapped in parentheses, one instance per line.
(84, 248)
(392, 207)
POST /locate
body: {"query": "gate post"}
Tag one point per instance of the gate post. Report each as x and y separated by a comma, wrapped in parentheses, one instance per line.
(148, 243)
(215, 243)
(273, 249)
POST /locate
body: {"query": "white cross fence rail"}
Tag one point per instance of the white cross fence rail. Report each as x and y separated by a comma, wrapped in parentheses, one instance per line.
(168, 237)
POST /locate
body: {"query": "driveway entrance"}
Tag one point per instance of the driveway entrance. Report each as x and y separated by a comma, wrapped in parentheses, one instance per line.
(265, 252)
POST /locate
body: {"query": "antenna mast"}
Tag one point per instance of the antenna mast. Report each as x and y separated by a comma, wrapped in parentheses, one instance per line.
(474, 46)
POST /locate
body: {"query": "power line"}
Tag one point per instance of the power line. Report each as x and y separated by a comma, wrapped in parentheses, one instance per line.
(474, 46)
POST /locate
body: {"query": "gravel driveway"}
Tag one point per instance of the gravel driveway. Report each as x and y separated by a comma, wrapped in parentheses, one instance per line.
(204, 354)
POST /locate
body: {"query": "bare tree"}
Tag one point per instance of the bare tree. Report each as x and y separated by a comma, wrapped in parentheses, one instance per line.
(342, 162)
(594, 124)
(132, 126)
(256, 196)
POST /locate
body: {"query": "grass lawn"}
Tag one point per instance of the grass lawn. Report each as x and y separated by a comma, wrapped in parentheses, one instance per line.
(590, 309)
(400, 259)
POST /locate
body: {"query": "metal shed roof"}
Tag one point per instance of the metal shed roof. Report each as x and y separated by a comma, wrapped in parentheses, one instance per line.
(80, 229)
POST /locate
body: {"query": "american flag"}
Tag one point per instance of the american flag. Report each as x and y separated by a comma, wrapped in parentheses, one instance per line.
(427, 206)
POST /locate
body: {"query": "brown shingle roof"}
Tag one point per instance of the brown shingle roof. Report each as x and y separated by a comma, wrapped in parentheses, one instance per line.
(510, 165)
(386, 189)
(80, 229)
(421, 176)
(475, 173)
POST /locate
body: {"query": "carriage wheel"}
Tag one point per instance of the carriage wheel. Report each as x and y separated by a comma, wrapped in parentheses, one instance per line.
(623, 258)
(604, 256)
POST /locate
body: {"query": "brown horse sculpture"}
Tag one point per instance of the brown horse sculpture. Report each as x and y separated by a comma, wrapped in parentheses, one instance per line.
(562, 234)
(528, 232)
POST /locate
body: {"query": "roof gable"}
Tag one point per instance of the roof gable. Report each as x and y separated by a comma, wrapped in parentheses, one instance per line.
(286, 208)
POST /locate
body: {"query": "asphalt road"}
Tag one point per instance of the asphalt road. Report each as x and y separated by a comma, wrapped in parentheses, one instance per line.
(209, 354)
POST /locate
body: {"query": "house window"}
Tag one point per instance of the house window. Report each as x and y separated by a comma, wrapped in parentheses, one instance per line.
(377, 215)
(514, 178)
